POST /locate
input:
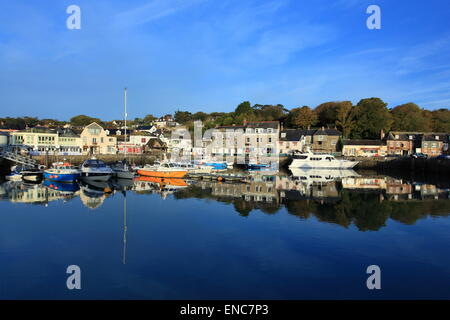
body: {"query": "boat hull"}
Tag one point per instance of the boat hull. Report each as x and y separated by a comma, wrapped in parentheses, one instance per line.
(62, 177)
(95, 176)
(162, 174)
(323, 165)
(123, 175)
(13, 177)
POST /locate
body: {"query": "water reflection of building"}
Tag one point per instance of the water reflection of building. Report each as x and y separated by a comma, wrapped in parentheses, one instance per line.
(292, 188)
(396, 189)
(16, 191)
(364, 183)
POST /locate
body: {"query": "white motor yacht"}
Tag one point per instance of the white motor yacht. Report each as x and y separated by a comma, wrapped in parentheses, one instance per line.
(95, 170)
(309, 160)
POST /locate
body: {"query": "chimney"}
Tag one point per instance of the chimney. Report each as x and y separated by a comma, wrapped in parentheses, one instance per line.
(381, 134)
(245, 121)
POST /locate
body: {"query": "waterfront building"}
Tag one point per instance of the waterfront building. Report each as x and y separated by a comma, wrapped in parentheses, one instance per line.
(38, 141)
(254, 141)
(69, 142)
(364, 148)
(140, 138)
(95, 140)
(128, 147)
(180, 143)
(407, 143)
(321, 140)
(434, 144)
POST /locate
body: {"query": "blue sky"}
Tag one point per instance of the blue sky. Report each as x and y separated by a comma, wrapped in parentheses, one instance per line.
(210, 55)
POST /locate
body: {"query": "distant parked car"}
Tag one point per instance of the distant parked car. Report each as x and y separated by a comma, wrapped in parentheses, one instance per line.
(443, 157)
(419, 156)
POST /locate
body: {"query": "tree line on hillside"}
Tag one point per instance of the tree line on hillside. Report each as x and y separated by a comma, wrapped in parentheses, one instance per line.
(365, 120)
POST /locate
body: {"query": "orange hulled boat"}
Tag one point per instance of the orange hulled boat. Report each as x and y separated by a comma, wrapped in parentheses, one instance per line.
(166, 170)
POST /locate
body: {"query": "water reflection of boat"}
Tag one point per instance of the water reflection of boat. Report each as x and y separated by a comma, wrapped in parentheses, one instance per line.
(164, 186)
(164, 181)
(321, 175)
(94, 193)
(32, 175)
(62, 187)
(122, 184)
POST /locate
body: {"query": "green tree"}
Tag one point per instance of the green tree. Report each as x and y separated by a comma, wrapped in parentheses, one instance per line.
(270, 112)
(200, 116)
(327, 113)
(244, 108)
(372, 116)
(409, 117)
(148, 119)
(441, 120)
(183, 117)
(302, 117)
(345, 118)
(83, 120)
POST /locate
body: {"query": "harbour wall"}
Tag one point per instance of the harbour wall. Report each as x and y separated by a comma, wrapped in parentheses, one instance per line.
(407, 164)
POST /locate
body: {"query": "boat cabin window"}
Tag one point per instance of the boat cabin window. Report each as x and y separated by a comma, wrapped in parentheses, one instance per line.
(300, 157)
(329, 158)
(94, 164)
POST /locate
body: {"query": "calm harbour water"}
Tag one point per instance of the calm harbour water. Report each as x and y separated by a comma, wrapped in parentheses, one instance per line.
(275, 238)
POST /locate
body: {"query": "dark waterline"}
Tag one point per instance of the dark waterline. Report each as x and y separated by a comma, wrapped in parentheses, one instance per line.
(274, 239)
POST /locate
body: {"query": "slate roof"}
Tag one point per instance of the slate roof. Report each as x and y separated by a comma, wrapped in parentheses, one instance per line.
(69, 133)
(263, 124)
(296, 134)
(417, 136)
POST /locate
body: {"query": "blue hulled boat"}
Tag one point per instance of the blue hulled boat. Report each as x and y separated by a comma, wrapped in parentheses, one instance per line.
(62, 171)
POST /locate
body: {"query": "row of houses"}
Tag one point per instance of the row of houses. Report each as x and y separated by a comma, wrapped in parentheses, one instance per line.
(399, 144)
(262, 137)
(93, 139)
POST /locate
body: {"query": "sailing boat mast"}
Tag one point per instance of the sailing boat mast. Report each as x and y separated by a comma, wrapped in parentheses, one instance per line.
(125, 102)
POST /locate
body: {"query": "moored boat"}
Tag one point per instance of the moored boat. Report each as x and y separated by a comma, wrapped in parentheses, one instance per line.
(309, 160)
(165, 170)
(63, 172)
(32, 175)
(95, 170)
(121, 170)
(15, 174)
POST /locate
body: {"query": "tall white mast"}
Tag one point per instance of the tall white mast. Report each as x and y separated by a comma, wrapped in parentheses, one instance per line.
(125, 146)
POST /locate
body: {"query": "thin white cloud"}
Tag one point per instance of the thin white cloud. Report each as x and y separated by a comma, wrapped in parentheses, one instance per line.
(151, 11)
